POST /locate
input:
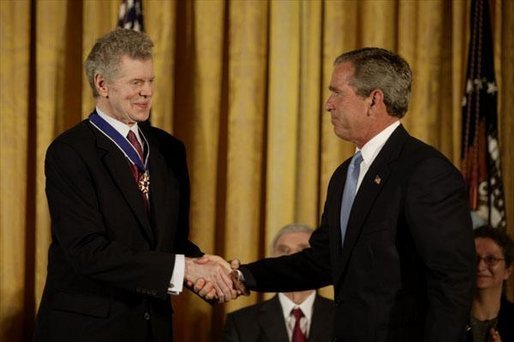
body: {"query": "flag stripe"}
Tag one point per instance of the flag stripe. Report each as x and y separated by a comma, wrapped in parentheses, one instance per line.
(131, 15)
(480, 146)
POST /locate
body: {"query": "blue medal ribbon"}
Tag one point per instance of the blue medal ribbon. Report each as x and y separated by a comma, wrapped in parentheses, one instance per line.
(120, 141)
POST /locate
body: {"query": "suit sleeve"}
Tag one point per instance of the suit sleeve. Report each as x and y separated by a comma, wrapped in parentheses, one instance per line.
(305, 270)
(78, 229)
(230, 333)
(439, 219)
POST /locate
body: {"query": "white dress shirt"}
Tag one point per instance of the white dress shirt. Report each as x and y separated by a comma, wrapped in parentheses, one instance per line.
(306, 307)
(371, 149)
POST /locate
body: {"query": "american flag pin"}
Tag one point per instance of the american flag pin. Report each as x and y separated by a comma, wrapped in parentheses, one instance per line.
(377, 179)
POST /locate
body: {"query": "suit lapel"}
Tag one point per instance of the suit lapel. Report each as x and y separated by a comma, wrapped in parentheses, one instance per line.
(272, 321)
(118, 167)
(373, 182)
(334, 216)
(160, 183)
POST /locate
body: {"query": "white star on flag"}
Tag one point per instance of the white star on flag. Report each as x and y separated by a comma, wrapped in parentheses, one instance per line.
(469, 86)
(491, 88)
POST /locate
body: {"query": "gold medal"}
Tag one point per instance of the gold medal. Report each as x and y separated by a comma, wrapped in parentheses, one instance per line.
(144, 182)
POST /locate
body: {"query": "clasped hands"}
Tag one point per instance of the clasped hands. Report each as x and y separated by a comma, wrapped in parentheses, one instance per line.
(214, 279)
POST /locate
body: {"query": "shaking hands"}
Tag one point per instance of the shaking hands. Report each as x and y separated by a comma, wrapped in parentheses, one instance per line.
(214, 279)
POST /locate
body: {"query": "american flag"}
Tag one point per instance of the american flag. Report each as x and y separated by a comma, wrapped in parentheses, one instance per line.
(480, 145)
(131, 15)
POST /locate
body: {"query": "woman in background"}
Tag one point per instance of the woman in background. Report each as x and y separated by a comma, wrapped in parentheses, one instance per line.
(492, 315)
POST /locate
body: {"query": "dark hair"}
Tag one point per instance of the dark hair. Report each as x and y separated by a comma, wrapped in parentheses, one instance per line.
(500, 238)
(377, 68)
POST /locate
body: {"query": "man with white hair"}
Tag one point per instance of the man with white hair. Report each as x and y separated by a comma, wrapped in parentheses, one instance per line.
(291, 316)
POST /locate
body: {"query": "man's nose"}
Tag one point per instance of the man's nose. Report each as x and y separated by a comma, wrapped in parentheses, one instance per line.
(328, 104)
(147, 89)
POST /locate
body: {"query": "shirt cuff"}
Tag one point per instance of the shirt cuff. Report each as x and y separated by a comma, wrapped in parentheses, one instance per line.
(240, 276)
(177, 278)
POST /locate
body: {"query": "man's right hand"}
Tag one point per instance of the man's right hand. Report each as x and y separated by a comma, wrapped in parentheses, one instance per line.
(210, 275)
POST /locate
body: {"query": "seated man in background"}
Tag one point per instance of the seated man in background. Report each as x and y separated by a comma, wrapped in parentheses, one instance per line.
(293, 316)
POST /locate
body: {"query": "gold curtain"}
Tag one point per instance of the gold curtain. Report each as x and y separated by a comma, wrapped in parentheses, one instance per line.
(243, 84)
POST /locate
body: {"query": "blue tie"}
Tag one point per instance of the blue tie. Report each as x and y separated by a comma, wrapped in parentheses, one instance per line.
(350, 189)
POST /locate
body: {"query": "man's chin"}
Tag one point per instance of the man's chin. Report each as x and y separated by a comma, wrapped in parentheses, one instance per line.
(141, 117)
(340, 134)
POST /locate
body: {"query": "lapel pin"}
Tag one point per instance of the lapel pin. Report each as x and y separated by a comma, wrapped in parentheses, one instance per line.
(377, 180)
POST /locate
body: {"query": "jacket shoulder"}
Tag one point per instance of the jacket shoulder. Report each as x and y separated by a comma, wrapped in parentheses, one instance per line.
(161, 134)
(82, 130)
(248, 312)
(78, 138)
(324, 301)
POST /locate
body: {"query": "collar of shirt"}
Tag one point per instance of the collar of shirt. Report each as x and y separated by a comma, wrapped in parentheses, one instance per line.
(372, 148)
(119, 126)
(306, 306)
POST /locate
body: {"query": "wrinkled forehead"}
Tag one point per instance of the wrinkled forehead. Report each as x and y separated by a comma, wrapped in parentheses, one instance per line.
(342, 74)
(294, 240)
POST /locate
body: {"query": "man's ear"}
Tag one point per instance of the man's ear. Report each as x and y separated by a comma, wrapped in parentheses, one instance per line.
(377, 97)
(101, 85)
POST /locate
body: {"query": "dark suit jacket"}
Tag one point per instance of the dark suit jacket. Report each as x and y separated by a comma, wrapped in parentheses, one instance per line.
(505, 319)
(109, 263)
(407, 268)
(264, 322)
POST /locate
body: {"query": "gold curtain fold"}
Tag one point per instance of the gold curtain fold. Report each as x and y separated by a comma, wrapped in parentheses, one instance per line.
(306, 171)
(16, 268)
(91, 19)
(244, 159)
(504, 68)
(282, 116)
(243, 84)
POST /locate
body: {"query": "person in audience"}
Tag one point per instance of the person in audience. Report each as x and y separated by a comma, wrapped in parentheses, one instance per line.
(492, 315)
(275, 320)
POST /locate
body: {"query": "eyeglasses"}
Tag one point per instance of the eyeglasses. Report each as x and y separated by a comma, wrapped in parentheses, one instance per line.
(489, 260)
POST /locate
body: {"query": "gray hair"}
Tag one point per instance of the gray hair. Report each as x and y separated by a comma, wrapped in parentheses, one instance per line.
(377, 68)
(290, 228)
(106, 54)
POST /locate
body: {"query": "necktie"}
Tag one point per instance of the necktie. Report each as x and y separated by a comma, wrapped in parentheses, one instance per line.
(350, 189)
(131, 136)
(298, 335)
(136, 173)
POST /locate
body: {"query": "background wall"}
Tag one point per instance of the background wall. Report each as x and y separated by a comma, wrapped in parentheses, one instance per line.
(242, 83)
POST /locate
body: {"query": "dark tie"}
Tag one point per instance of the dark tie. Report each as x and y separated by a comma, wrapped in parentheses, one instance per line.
(350, 189)
(136, 173)
(298, 335)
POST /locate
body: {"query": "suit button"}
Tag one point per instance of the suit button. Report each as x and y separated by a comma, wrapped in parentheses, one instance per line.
(147, 316)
